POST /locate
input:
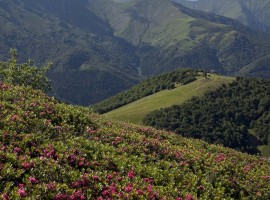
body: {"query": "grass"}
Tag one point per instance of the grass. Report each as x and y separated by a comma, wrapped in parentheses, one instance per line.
(265, 150)
(136, 111)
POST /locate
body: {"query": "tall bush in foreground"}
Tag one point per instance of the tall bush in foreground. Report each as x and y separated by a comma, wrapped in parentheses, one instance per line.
(24, 74)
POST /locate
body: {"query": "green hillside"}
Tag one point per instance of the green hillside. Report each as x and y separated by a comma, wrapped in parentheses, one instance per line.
(136, 111)
(50, 150)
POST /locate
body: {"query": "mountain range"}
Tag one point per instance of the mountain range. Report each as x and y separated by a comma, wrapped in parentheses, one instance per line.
(101, 47)
(252, 13)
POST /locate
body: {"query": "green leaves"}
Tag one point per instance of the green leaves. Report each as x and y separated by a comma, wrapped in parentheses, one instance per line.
(24, 74)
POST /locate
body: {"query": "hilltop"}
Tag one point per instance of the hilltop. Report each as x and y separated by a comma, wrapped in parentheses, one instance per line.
(50, 150)
(102, 47)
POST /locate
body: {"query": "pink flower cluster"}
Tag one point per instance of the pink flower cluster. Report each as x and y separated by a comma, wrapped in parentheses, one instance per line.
(220, 157)
(33, 180)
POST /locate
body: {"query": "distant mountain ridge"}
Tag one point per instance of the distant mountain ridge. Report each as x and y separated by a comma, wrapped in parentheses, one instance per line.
(253, 13)
(102, 47)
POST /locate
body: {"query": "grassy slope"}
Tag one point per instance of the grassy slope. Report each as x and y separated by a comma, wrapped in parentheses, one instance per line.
(148, 22)
(136, 111)
(55, 151)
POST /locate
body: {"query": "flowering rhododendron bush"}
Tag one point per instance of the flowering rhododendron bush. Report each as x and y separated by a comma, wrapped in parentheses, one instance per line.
(50, 150)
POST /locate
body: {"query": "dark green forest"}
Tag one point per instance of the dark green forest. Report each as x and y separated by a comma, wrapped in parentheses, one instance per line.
(146, 88)
(226, 116)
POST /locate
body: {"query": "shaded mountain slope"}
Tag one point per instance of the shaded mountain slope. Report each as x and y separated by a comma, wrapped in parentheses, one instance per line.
(74, 39)
(94, 43)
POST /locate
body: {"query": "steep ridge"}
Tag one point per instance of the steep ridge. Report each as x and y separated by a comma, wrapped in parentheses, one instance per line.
(253, 13)
(183, 38)
(50, 150)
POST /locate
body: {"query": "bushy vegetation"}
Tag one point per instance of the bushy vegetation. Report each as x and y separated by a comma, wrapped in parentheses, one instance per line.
(226, 116)
(50, 150)
(146, 88)
(24, 74)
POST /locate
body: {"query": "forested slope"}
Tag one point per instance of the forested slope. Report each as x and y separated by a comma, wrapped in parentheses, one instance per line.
(226, 116)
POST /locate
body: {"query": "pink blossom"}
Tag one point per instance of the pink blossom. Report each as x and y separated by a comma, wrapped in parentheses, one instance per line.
(61, 197)
(81, 164)
(5, 196)
(78, 195)
(14, 117)
(109, 177)
(189, 197)
(17, 150)
(33, 180)
(200, 187)
(131, 174)
(22, 193)
(128, 188)
(27, 165)
(149, 188)
(119, 179)
(140, 192)
(50, 186)
(95, 177)
(105, 193)
(91, 131)
(220, 157)
(148, 180)
(247, 168)
(59, 128)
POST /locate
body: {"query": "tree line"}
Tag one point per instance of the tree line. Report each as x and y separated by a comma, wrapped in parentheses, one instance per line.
(226, 116)
(146, 88)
